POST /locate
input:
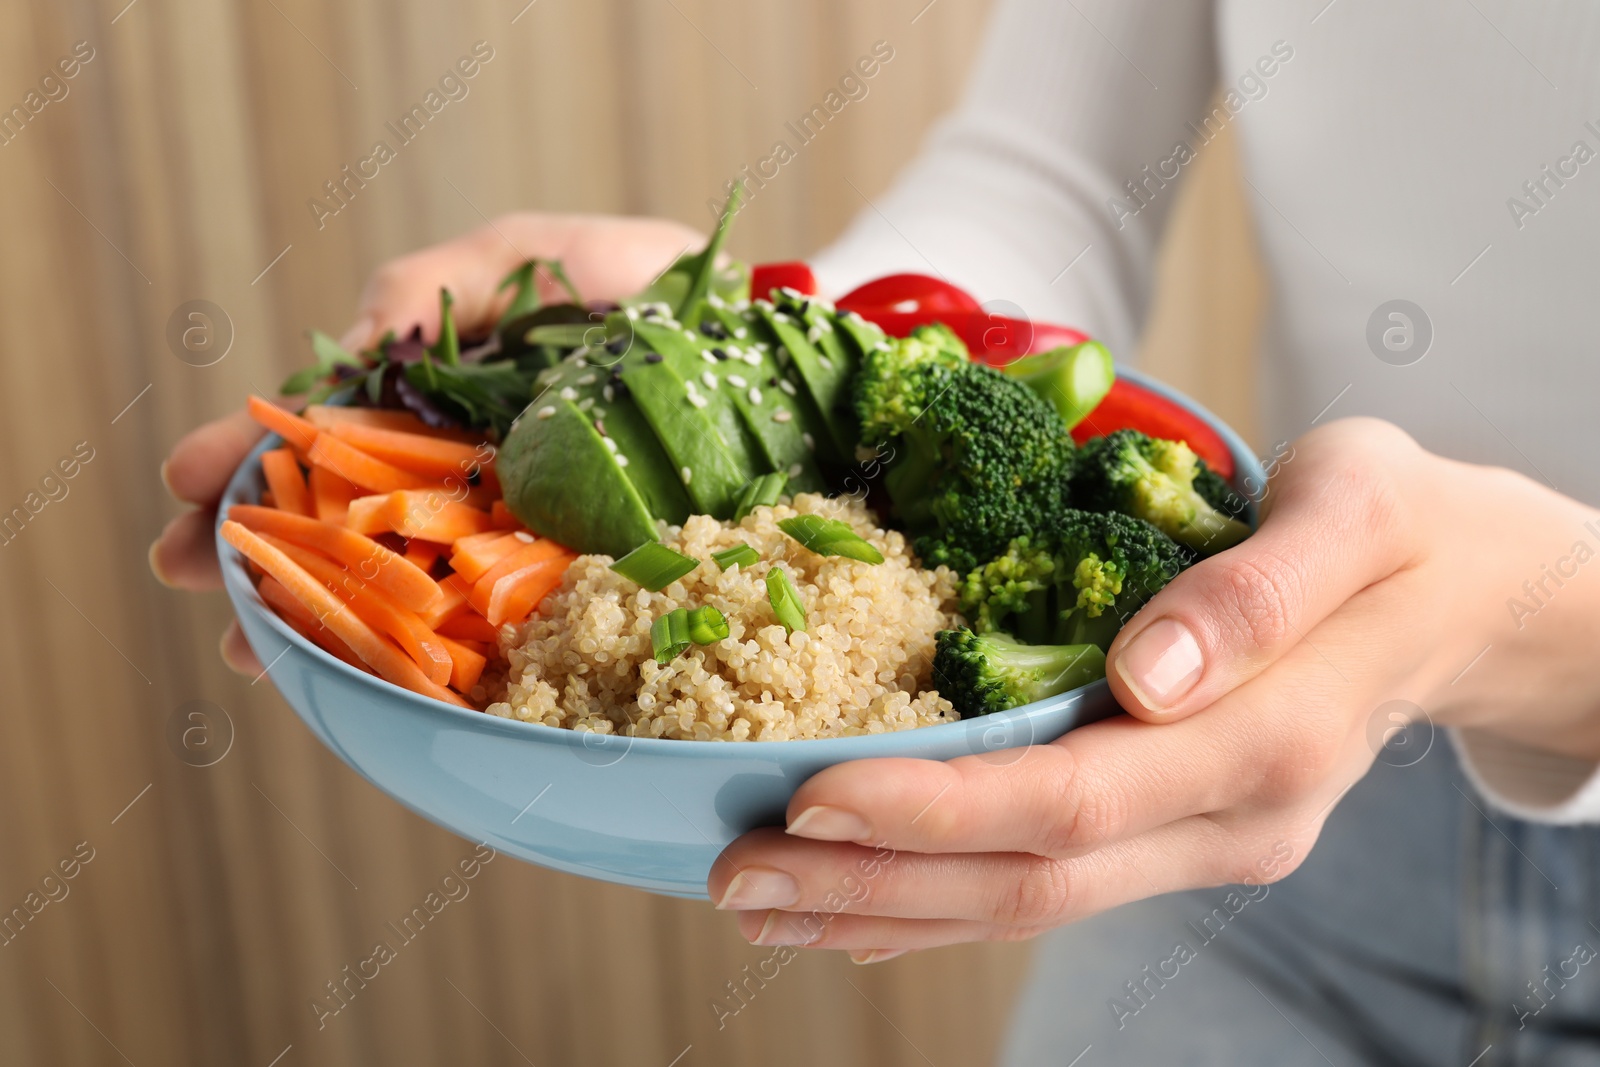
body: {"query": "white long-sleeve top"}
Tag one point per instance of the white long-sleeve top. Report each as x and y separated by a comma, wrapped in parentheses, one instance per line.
(1440, 152)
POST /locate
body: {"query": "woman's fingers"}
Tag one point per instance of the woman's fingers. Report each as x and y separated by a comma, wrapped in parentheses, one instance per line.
(864, 934)
(1337, 526)
(767, 869)
(185, 555)
(1095, 786)
(236, 651)
(604, 257)
(202, 462)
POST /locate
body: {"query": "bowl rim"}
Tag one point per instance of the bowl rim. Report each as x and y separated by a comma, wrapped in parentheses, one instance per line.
(242, 592)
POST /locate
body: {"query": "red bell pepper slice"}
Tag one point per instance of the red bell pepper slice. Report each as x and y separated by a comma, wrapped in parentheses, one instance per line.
(908, 294)
(1129, 406)
(993, 339)
(794, 274)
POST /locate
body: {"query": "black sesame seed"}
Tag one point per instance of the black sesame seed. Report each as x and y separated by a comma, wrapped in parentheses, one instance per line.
(621, 391)
(805, 306)
(713, 328)
(652, 357)
(719, 353)
(772, 382)
(650, 312)
(618, 346)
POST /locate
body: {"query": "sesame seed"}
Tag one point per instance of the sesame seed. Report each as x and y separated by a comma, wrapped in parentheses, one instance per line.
(652, 357)
(715, 301)
(810, 442)
(709, 378)
(690, 335)
(796, 471)
(698, 401)
(781, 415)
(741, 333)
(609, 393)
(568, 393)
(706, 355)
(755, 395)
(687, 475)
(790, 291)
(814, 334)
(779, 316)
(622, 461)
(753, 358)
(632, 313)
(786, 385)
(718, 354)
(546, 412)
(586, 403)
(827, 364)
(737, 381)
(610, 444)
(524, 536)
(588, 379)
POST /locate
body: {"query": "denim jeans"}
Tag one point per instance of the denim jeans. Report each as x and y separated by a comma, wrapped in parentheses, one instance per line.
(1425, 928)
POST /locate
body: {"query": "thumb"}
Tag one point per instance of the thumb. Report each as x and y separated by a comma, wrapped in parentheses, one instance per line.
(1336, 527)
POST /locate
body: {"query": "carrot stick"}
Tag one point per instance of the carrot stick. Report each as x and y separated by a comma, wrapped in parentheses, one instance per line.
(268, 500)
(326, 417)
(472, 561)
(364, 514)
(377, 611)
(330, 495)
(466, 665)
(468, 626)
(516, 595)
(306, 624)
(502, 517)
(355, 465)
(430, 456)
(288, 485)
(526, 556)
(297, 432)
(425, 554)
(375, 650)
(450, 605)
(408, 586)
(432, 516)
(474, 540)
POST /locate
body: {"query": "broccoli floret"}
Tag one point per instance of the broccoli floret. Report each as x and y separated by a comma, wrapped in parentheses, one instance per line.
(1153, 479)
(984, 673)
(1076, 585)
(1217, 492)
(977, 458)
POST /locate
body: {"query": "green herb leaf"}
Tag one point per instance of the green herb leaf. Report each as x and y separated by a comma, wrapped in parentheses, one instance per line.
(564, 334)
(830, 537)
(701, 270)
(300, 381)
(669, 635)
(559, 273)
(741, 555)
(331, 353)
(762, 490)
(526, 299)
(654, 566)
(785, 600)
(707, 625)
(447, 349)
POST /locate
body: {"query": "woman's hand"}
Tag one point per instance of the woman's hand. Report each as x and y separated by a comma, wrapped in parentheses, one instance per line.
(1253, 684)
(606, 257)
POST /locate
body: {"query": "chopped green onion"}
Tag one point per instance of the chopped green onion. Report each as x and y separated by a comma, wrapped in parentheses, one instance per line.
(785, 600)
(706, 625)
(740, 554)
(830, 537)
(669, 635)
(764, 489)
(654, 565)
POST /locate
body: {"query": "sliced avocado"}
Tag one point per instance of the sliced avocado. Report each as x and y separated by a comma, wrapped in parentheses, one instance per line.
(748, 328)
(690, 436)
(680, 350)
(826, 379)
(562, 481)
(593, 383)
(766, 400)
(865, 336)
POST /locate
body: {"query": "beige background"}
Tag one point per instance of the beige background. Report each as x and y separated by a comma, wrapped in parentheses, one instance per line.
(178, 167)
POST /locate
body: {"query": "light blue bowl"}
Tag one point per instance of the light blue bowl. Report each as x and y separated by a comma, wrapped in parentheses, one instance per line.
(638, 811)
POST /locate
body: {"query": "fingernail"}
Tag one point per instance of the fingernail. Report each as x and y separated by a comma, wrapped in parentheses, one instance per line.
(357, 335)
(760, 887)
(823, 823)
(166, 477)
(1162, 664)
(155, 566)
(876, 955)
(784, 928)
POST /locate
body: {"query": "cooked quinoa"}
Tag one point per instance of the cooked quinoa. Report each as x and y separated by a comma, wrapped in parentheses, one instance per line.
(862, 665)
